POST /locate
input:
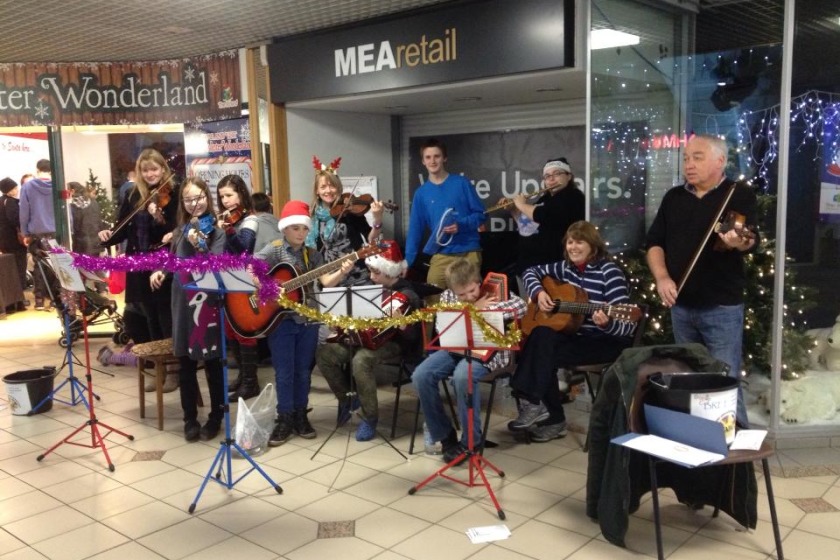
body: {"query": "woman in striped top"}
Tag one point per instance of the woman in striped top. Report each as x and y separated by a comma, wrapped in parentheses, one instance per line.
(599, 339)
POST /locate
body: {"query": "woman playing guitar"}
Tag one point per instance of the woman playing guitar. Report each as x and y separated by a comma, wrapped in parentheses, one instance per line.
(600, 338)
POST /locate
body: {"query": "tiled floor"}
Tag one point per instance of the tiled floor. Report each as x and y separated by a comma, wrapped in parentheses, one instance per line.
(350, 501)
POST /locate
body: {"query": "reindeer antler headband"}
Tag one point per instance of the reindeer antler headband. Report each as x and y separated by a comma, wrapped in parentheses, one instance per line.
(331, 168)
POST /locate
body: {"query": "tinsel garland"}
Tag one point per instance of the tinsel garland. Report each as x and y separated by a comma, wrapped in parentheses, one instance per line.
(499, 340)
(268, 291)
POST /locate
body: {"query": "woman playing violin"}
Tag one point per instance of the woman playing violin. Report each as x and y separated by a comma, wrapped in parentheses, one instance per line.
(338, 232)
(153, 217)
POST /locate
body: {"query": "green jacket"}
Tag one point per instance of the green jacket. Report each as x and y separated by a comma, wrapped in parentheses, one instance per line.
(618, 477)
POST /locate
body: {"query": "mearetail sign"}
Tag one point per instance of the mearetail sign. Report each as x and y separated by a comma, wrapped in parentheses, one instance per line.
(195, 89)
(448, 43)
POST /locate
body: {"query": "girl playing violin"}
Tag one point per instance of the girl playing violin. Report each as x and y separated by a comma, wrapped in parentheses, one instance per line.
(240, 224)
(196, 334)
(338, 233)
(154, 216)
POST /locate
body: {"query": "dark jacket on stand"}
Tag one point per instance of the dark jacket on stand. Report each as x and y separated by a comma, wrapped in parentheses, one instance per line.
(618, 477)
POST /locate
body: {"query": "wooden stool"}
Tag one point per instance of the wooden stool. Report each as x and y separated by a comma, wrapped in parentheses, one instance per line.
(159, 353)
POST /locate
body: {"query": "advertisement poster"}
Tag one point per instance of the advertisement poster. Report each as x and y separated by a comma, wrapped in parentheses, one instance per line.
(20, 152)
(830, 173)
(214, 150)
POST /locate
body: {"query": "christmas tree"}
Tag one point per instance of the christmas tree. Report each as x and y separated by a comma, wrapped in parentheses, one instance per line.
(106, 205)
(758, 305)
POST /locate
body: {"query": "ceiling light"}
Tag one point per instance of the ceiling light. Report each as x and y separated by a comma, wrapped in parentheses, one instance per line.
(608, 38)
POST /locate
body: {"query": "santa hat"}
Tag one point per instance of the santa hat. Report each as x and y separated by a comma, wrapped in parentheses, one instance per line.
(390, 262)
(295, 212)
(6, 185)
(557, 163)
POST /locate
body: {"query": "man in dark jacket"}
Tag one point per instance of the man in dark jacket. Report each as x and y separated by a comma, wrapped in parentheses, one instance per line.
(11, 238)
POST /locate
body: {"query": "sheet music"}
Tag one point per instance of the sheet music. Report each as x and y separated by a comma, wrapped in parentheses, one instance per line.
(333, 300)
(360, 302)
(68, 276)
(451, 326)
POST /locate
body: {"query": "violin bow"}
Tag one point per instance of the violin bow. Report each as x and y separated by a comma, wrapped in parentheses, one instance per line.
(143, 204)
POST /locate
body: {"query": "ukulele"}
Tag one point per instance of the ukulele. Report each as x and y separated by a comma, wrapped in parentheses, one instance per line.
(251, 318)
(570, 307)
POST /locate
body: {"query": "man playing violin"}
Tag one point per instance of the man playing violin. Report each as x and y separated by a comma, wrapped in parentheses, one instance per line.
(386, 269)
(709, 306)
(338, 230)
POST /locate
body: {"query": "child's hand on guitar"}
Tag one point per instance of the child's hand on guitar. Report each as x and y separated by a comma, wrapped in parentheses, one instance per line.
(545, 302)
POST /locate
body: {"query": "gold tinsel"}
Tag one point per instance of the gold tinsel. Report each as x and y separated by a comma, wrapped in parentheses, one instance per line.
(427, 314)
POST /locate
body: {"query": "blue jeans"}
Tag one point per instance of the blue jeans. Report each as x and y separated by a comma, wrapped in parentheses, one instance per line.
(720, 329)
(427, 377)
(293, 356)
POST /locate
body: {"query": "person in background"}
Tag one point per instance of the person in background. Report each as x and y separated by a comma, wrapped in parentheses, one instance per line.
(447, 207)
(293, 340)
(543, 224)
(600, 338)
(11, 238)
(37, 219)
(237, 220)
(126, 187)
(464, 281)
(339, 235)
(196, 332)
(710, 307)
(26, 177)
(144, 232)
(386, 269)
(87, 220)
(267, 230)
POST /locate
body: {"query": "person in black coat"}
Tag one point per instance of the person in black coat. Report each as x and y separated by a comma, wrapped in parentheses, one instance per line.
(11, 239)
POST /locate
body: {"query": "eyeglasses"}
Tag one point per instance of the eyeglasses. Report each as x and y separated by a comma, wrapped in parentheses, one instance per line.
(555, 175)
(194, 200)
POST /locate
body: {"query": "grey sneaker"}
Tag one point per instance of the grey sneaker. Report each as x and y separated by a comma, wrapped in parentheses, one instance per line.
(547, 432)
(529, 414)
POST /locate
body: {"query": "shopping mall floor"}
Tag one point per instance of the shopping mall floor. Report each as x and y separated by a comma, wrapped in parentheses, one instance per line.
(350, 501)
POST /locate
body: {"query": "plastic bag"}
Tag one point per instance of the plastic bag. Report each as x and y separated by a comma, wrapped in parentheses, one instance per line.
(116, 281)
(255, 422)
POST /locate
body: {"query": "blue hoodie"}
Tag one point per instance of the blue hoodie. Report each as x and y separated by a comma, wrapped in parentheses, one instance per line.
(37, 214)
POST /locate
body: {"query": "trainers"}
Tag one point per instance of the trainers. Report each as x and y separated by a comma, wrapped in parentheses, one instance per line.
(547, 432)
(529, 414)
(366, 430)
(192, 430)
(282, 430)
(451, 452)
(301, 425)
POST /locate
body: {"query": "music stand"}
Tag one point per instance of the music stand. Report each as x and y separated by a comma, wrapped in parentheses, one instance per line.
(458, 334)
(70, 281)
(359, 302)
(235, 280)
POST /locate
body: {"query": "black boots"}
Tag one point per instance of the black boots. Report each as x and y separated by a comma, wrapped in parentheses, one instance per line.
(246, 385)
(282, 429)
(301, 424)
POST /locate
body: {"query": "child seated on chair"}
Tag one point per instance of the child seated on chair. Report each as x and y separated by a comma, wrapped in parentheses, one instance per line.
(464, 286)
(364, 350)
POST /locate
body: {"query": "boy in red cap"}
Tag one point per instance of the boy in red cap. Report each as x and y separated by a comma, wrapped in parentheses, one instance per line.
(293, 340)
(386, 269)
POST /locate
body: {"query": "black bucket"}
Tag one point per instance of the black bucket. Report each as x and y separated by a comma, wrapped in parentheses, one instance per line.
(713, 396)
(28, 388)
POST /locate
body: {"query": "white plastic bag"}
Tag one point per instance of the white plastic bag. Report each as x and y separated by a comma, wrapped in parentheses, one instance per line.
(255, 422)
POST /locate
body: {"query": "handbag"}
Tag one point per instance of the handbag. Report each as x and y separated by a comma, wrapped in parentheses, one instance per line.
(116, 281)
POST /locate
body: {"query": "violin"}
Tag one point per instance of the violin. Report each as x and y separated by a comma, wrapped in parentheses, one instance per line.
(198, 229)
(232, 216)
(357, 205)
(733, 221)
(160, 195)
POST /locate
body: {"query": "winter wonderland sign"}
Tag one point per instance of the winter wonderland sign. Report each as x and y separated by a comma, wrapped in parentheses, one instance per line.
(193, 89)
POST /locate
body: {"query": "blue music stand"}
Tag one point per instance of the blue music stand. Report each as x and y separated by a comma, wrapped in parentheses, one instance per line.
(220, 283)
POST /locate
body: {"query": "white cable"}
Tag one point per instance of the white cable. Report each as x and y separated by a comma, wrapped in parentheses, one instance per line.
(439, 234)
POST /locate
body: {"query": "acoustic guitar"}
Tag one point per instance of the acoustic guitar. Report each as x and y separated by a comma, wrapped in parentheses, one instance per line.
(251, 318)
(570, 307)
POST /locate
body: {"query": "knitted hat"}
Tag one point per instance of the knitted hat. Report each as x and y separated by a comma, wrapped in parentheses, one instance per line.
(295, 212)
(390, 262)
(557, 163)
(7, 185)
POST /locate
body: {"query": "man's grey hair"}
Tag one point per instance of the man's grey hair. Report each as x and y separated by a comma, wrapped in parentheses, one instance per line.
(717, 143)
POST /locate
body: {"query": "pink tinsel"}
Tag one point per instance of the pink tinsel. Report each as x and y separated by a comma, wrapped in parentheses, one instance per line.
(164, 260)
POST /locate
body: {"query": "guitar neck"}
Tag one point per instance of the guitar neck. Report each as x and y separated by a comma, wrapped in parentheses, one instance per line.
(313, 275)
(581, 308)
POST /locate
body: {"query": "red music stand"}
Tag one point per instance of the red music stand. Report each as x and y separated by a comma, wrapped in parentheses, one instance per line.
(460, 335)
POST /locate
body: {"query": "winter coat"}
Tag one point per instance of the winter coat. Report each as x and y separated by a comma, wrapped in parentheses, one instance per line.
(37, 213)
(87, 223)
(10, 241)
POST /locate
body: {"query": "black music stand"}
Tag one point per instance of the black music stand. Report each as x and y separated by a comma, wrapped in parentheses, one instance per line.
(459, 335)
(358, 302)
(237, 280)
(68, 280)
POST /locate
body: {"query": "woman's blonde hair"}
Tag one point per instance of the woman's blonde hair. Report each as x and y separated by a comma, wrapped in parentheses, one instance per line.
(334, 181)
(154, 156)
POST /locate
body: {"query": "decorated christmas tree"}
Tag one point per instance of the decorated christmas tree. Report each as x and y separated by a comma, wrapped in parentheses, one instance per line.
(106, 205)
(758, 305)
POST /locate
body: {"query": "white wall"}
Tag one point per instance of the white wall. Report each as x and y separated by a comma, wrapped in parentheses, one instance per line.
(81, 152)
(362, 141)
